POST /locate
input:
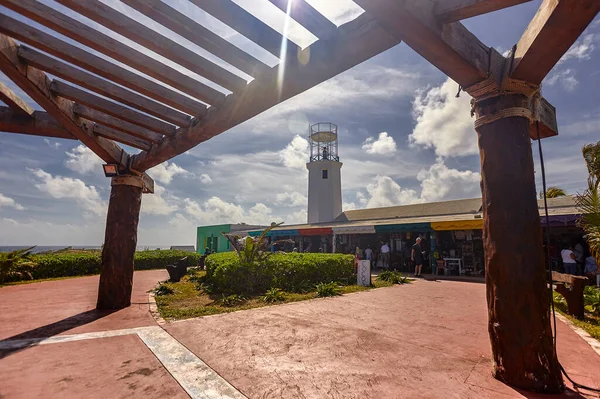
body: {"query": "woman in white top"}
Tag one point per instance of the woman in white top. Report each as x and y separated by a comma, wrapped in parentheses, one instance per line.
(569, 262)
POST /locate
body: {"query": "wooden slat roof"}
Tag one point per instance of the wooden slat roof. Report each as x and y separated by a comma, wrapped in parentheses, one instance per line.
(127, 71)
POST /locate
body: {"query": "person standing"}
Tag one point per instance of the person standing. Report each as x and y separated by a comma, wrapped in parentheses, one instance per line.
(568, 259)
(579, 253)
(417, 257)
(385, 255)
(369, 254)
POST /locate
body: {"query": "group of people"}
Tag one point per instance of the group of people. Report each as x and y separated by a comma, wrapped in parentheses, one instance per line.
(416, 256)
(579, 262)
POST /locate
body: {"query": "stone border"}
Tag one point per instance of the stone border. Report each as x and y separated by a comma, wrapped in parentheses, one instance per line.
(582, 333)
(154, 308)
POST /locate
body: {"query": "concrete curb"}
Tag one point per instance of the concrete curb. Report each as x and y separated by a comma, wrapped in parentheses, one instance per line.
(154, 308)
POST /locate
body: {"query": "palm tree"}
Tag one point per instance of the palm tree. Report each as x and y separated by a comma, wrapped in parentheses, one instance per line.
(553, 192)
(588, 203)
(15, 263)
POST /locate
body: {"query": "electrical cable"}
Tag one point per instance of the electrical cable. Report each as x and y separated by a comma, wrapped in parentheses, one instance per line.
(551, 289)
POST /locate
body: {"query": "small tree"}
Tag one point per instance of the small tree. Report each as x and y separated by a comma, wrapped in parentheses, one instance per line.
(15, 263)
(588, 203)
(553, 192)
(251, 249)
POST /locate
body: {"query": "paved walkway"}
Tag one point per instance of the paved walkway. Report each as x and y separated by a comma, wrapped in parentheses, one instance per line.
(427, 340)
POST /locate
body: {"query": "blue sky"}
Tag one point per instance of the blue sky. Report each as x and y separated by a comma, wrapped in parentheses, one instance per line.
(404, 138)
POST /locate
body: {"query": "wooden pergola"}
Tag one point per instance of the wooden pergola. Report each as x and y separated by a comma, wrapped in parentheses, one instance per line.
(158, 119)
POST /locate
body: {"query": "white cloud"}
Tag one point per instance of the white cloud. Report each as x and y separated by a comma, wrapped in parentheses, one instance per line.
(581, 49)
(51, 144)
(348, 206)
(31, 232)
(566, 77)
(165, 172)
(10, 203)
(444, 122)
(384, 191)
(291, 199)
(158, 203)
(441, 183)
(295, 154)
(216, 211)
(299, 217)
(385, 144)
(83, 160)
(68, 188)
(205, 179)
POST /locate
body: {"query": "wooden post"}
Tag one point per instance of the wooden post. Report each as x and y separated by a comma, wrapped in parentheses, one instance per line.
(516, 278)
(120, 240)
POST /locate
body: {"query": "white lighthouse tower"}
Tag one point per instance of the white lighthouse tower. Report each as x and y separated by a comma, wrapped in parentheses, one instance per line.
(324, 174)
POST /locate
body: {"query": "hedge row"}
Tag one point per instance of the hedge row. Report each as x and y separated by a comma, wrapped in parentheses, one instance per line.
(64, 264)
(293, 272)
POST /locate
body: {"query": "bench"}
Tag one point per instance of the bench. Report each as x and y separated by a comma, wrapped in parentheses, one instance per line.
(178, 270)
(573, 294)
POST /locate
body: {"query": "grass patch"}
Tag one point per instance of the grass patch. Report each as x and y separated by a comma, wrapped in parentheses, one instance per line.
(188, 298)
(591, 324)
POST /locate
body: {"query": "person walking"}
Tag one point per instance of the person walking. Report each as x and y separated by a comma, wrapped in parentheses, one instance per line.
(385, 255)
(417, 257)
(568, 259)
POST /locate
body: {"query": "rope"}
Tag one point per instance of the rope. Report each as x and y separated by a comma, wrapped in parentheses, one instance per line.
(505, 113)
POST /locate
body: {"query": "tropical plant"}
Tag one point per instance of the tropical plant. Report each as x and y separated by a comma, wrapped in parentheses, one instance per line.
(274, 295)
(393, 277)
(553, 192)
(591, 299)
(232, 300)
(251, 249)
(327, 289)
(162, 290)
(16, 264)
(588, 203)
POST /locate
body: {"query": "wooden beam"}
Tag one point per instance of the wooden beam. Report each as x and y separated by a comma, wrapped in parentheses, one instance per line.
(101, 86)
(98, 41)
(99, 66)
(39, 123)
(115, 123)
(455, 10)
(37, 85)
(357, 41)
(247, 24)
(199, 35)
(118, 111)
(116, 135)
(308, 17)
(550, 34)
(450, 47)
(10, 98)
(139, 33)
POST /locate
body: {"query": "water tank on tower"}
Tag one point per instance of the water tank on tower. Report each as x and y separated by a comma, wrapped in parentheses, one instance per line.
(324, 174)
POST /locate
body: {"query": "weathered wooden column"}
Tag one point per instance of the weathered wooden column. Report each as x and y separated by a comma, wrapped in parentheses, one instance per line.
(120, 241)
(516, 277)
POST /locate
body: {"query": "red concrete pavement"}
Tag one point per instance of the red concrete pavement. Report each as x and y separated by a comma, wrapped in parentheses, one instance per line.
(425, 340)
(67, 307)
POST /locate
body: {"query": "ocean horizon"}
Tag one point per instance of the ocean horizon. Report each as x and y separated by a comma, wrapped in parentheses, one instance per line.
(47, 248)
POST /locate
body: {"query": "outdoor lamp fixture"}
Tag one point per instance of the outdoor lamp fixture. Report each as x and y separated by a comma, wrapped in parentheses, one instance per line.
(111, 170)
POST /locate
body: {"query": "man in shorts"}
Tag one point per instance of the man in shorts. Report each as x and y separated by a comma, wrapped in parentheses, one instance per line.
(417, 257)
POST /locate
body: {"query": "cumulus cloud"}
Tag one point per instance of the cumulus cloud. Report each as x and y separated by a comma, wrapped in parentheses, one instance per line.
(52, 144)
(582, 49)
(205, 179)
(441, 183)
(384, 191)
(159, 203)
(291, 199)
(384, 145)
(566, 77)
(165, 172)
(216, 211)
(83, 160)
(444, 122)
(10, 203)
(68, 188)
(295, 154)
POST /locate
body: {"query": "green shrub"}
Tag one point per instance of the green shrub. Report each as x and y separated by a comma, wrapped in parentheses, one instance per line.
(393, 277)
(293, 272)
(64, 264)
(232, 300)
(591, 299)
(162, 290)
(274, 295)
(327, 289)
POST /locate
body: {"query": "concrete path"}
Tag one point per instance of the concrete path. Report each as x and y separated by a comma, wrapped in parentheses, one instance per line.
(423, 340)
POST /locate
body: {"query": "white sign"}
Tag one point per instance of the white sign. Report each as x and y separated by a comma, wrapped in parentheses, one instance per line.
(364, 273)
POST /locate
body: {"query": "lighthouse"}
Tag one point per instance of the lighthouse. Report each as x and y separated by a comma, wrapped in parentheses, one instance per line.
(324, 174)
